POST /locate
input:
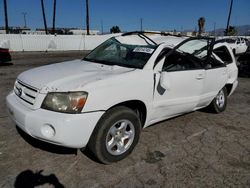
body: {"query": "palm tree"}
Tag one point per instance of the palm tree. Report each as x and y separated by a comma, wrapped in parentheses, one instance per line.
(115, 29)
(44, 18)
(54, 18)
(228, 18)
(231, 31)
(87, 16)
(6, 17)
(201, 24)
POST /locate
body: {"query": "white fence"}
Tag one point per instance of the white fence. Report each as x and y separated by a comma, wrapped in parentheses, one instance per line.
(19, 42)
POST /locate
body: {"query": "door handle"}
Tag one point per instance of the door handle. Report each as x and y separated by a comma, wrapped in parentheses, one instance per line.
(200, 77)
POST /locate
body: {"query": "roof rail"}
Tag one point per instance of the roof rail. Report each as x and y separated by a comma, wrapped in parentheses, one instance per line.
(140, 34)
(149, 32)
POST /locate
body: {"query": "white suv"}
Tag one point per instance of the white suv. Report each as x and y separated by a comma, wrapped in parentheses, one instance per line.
(238, 45)
(127, 83)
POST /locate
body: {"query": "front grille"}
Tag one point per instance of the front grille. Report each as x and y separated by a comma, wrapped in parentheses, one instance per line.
(25, 92)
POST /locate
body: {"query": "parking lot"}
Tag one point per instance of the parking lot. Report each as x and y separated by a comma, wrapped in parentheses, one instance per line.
(199, 149)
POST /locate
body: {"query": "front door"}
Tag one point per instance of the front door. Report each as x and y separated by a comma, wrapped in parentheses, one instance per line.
(184, 77)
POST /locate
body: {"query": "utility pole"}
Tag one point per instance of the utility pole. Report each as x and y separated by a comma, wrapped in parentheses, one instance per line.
(102, 26)
(141, 23)
(87, 16)
(54, 18)
(24, 18)
(6, 17)
(214, 28)
(228, 19)
(44, 18)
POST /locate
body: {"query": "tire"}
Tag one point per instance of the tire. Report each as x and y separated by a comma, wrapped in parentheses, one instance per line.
(219, 103)
(115, 135)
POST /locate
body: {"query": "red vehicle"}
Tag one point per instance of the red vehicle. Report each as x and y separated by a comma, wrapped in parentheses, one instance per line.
(5, 56)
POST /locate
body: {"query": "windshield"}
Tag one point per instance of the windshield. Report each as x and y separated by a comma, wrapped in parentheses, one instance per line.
(113, 52)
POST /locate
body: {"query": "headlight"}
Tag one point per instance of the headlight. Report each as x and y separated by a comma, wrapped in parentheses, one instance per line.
(66, 102)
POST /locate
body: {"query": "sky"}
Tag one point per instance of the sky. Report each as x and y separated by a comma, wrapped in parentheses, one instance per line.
(163, 15)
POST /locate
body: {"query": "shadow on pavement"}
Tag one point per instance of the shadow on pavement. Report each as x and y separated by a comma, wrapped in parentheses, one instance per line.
(6, 64)
(44, 145)
(29, 179)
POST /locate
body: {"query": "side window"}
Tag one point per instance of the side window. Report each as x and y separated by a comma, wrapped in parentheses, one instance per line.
(223, 53)
(181, 62)
(213, 63)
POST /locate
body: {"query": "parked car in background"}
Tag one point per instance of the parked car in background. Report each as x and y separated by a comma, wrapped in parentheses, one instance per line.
(244, 64)
(248, 43)
(5, 56)
(127, 83)
(238, 45)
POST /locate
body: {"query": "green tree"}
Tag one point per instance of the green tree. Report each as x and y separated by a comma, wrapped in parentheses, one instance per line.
(115, 29)
(231, 31)
(201, 24)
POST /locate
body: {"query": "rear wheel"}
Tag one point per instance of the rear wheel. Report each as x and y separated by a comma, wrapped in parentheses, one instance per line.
(219, 103)
(115, 135)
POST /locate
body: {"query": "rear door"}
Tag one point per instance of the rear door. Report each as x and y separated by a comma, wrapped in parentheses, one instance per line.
(216, 73)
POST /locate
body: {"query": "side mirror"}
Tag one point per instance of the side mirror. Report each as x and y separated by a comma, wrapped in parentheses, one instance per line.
(165, 80)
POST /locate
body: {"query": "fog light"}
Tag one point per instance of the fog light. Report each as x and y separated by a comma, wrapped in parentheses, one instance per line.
(48, 131)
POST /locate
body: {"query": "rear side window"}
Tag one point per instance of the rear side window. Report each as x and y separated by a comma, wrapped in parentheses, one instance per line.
(223, 53)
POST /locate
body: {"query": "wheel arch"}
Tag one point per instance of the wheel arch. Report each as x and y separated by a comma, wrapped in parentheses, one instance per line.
(229, 88)
(136, 105)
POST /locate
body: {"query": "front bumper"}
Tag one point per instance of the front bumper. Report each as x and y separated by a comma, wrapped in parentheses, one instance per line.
(70, 130)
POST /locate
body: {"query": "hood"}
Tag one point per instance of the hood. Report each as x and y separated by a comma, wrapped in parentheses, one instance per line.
(69, 76)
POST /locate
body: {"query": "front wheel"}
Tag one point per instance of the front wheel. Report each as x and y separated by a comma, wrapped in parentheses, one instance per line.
(115, 135)
(219, 103)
